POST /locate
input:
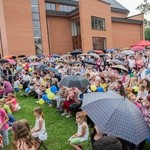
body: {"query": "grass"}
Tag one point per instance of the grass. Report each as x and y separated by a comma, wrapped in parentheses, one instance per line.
(58, 127)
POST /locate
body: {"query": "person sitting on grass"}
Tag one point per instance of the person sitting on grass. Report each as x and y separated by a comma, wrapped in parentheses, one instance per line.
(39, 130)
(12, 102)
(7, 110)
(82, 133)
(17, 85)
(22, 138)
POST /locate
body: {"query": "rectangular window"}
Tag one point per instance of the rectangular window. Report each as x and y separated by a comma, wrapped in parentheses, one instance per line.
(50, 6)
(37, 33)
(98, 23)
(35, 2)
(99, 43)
(36, 16)
(35, 8)
(66, 8)
(36, 24)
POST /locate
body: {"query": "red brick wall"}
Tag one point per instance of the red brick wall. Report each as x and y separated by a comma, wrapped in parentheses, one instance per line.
(60, 37)
(98, 9)
(19, 27)
(118, 14)
(43, 27)
(125, 35)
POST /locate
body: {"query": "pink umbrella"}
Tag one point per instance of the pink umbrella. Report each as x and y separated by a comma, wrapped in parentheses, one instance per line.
(11, 61)
(137, 48)
(144, 43)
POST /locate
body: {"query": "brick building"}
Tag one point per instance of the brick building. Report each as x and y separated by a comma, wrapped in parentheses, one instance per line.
(59, 26)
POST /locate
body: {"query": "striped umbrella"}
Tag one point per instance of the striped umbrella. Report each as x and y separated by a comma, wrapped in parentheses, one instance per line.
(116, 116)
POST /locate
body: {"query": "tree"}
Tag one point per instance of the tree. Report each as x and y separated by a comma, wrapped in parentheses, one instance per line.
(147, 34)
(144, 7)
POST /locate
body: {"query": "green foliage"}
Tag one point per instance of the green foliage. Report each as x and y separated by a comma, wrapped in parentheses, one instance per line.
(144, 7)
(147, 33)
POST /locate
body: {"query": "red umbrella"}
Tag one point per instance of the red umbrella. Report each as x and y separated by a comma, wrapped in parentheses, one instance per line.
(144, 43)
(137, 48)
(98, 52)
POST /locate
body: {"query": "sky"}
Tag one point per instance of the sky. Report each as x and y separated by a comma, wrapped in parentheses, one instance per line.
(131, 5)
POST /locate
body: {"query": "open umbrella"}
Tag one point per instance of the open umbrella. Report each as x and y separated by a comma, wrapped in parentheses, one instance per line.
(128, 52)
(110, 50)
(56, 56)
(75, 62)
(95, 55)
(118, 62)
(120, 67)
(76, 52)
(9, 57)
(116, 116)
(138, 49)
(90, 51)
(21, 56)
(51, 69)
(75, 81)
(41, 66)
(3, 61)
(33, 57)
(90, 62)
(98, 52)
(11, 61)
(144, 43)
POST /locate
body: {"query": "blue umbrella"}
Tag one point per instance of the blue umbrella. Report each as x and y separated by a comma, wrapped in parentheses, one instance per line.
(114, 115)
(41, 66)
(51, 69)
(110, 50)
(56, 56)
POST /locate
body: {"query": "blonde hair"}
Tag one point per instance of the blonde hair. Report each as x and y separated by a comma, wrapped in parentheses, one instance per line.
(3, 100)
(22, 133)
(82, 115)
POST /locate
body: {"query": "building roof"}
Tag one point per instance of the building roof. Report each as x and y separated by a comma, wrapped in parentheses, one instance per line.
(116, 6)
(125, 20)
(66, 2)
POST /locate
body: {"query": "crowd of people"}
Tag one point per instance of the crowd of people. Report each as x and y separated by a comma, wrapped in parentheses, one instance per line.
(127, 74)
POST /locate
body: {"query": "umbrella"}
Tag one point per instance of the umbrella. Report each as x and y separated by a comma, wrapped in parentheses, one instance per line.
(9, 57)
(11, 61)
(75, 62)
(3, 61)
(138, 49)
(51, 69)
(127, 52)
(41, 66)
(56, 56)
(98, 52)
(110, 50)
(21, 56)
(85, 54)
(76, 52)
(33, 57)
(117, 61)
(102, 55)
(90, 51)
(116, 116)
(94, 55)
(119, 67)
(144, 43)
(75, 81)
(90, 62)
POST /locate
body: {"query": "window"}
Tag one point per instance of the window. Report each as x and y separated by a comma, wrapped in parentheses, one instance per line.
(36, 16)
(66, 8)
(98, 23)
(99, 43)
(37, 33)
(50, 6)
(35, 8)
(36, 24)
(75, 25)
(35, 2)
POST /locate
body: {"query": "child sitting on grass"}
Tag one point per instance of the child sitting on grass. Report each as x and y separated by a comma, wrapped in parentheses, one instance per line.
(82, 133)
(12, 102)
(22, 138)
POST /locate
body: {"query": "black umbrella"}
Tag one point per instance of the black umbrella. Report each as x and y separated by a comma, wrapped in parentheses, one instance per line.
(76, 52)
(56, 56)
(90, 51)
(41, 67)
(3, 61)
(21, 56)
(51, 69)
(90, 62)
(75, 81)
(75, 62)
(102, 55)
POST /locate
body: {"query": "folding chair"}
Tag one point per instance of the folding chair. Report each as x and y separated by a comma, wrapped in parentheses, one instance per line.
(41, 144)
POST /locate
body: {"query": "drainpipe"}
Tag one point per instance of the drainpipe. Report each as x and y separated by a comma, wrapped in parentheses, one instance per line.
(1, 44)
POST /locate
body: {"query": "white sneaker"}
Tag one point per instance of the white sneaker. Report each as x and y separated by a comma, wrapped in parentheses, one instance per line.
(63, 114)
(68, 116)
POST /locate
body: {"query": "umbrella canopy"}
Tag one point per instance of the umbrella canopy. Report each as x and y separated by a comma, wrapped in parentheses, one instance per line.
(75, 62)
(9, 57)
(90, 62)
(117, 61)
(138, 49)
(102, 55)
(56, 56)
(41, 66)
(3, 61)
(21, 56)
(127, 52)
(51, 69)
(119, 67)
(75, 81)
(110, 50)
(11, 61)
(76, 52)
(144, 43)
(90, 51)
(33, 57)
(116, 116)
(98, 52)
(94, 55)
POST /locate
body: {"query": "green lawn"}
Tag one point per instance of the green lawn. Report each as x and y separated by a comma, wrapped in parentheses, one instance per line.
(58, 127)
